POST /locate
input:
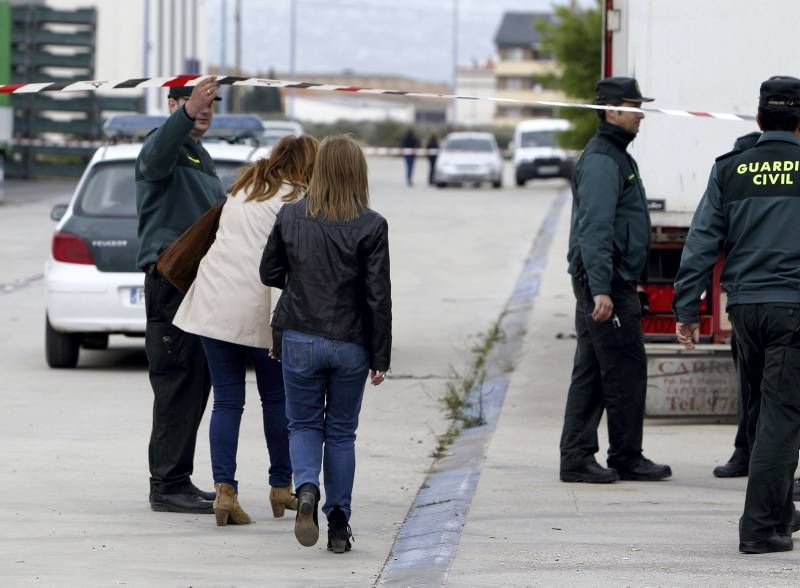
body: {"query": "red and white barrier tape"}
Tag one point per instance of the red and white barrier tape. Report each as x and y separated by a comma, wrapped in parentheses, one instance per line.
(191, 80)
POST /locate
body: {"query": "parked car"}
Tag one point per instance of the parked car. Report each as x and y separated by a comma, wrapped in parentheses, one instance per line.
(275, 130)
(471, 158)
(536, 151)
(94, 288)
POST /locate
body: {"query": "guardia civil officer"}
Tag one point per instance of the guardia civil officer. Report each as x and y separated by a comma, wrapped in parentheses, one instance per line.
(737, 465)
(608, 245)
(749, 402)
(175, 184)
(751, 211)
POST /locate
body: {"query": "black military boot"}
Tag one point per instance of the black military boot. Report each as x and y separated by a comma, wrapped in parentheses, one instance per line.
(736, 467)
(306, 525)
(201, 493)
(339, 533)
(590, 473)
(768, 545)
(644, 470)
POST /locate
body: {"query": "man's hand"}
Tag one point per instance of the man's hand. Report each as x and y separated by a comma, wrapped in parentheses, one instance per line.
(688, 334)
(202, 96)
(376, 377)
(603, 308)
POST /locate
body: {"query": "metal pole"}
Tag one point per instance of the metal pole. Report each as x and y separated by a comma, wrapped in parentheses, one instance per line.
(292, 44)
(160, 19)
(146, 52)
(183, 37)
(454, 118)
(223, 58)
(160, 57)
(194, 32)
(172, 39)
(236, 94)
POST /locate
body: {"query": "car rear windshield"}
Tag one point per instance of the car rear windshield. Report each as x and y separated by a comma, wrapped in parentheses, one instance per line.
(468, 145)
(538, 139)
(110, 190)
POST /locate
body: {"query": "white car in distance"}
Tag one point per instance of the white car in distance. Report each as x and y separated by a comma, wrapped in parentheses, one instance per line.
(469, 158)
(536, 150)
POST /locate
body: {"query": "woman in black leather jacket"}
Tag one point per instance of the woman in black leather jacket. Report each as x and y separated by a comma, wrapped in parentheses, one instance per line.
(330, 254)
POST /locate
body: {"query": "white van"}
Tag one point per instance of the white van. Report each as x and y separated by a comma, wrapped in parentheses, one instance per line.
(536, 150)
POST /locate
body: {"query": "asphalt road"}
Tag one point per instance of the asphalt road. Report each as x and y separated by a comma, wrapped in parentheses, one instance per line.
(74, 465)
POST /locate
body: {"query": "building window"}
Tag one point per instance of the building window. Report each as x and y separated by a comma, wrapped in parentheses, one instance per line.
(515, 54)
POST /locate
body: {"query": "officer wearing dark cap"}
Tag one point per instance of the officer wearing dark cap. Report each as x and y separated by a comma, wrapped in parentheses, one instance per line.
(608, 245)
(751, 211)
(737, 465)
(175, 184)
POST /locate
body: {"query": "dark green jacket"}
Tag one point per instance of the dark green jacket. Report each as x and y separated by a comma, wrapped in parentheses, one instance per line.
(751, 212)
(610, 228)
(176, 182)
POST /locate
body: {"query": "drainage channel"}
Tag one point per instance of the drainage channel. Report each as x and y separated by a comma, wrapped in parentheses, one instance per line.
(426, 544)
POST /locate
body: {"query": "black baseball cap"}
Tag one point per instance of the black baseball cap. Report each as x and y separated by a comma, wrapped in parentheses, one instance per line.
(617, 89)
(780, 91)
(184, 92)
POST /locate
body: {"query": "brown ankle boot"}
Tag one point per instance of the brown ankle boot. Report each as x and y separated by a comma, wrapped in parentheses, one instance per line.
(226, 507)
(281, 498)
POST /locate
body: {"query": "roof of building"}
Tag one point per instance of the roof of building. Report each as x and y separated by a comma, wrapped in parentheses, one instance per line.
(518, 29)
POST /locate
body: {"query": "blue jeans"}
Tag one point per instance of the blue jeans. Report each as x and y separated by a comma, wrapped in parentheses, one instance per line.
(226, 362)
(325, 382)
(409, 168)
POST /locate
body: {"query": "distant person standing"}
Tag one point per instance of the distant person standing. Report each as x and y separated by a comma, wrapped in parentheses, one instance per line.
(410, 141)
(175, 184)
(608, 243)
(432, 145)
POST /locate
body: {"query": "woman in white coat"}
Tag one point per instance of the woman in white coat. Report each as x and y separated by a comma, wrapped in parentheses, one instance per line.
(229, 307)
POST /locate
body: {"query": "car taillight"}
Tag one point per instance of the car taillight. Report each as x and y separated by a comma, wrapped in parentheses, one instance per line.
(70, 248)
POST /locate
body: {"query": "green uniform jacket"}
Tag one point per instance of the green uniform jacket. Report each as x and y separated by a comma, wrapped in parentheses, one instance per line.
(610, 227)
(751, 212)
(176, 182)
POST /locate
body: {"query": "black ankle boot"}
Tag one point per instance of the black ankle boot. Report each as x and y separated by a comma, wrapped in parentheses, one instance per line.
(306, 525)
(339, 533)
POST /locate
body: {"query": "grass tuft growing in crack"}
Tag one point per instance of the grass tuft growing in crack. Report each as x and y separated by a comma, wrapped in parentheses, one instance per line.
(455, 403)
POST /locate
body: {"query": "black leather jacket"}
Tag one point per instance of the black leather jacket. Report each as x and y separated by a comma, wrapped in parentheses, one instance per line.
(335, 278)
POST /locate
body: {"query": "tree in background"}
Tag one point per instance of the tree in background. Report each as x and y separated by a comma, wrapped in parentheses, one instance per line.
(574, 38)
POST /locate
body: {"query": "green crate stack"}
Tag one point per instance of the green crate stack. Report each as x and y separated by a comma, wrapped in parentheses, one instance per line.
(49, 45)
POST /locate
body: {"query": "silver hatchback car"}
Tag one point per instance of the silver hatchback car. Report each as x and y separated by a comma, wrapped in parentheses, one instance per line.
(469, 158)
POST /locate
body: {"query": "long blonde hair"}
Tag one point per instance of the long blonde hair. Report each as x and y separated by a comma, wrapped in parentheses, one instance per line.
(338, 189)
(291, 160)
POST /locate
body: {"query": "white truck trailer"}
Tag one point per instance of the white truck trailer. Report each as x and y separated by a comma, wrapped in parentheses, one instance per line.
(698, 56)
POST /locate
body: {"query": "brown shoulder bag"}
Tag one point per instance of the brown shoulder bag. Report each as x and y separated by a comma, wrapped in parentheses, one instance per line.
(179, 262)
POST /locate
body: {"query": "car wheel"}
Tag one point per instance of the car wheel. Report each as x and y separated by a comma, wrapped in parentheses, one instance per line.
(61, 349)
(441, 185)
(520, 181)
(95, 341)
(497, 184)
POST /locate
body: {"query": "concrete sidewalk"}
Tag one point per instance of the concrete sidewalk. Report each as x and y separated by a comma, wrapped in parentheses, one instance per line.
(525, 528)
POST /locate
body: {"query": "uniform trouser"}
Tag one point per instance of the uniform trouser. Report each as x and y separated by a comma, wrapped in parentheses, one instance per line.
(769, 340)
(609, 372)
(181, 384)
(749, 403)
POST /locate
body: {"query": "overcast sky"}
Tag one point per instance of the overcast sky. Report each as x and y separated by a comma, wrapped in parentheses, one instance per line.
(403, 37)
